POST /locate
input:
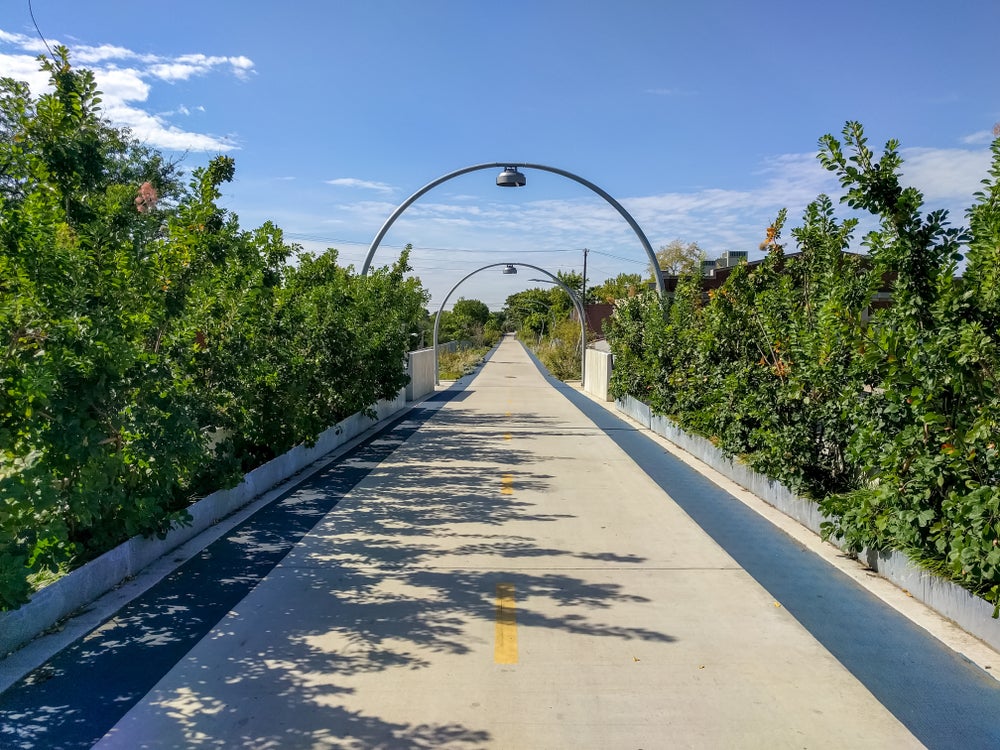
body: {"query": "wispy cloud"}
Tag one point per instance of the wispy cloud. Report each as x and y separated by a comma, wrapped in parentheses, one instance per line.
(353, 182)
(189, 66)
(946, 176)
(979, 137)
(125, 78)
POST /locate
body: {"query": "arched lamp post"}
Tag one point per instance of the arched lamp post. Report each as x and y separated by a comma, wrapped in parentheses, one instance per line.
(509, 268)
(511, 176)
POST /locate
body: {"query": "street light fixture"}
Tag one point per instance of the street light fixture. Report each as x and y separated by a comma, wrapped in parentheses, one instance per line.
(510, 270)
(511, 177)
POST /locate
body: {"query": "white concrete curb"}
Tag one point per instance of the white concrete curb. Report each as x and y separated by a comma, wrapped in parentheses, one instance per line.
(972, 614)
(86, 584)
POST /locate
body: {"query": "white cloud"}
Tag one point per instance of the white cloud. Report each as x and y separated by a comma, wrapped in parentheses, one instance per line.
(119, 85)
(188, 66)
(124, 78)
(946, 175)
(353, 182)
(175, 71)
(24, 68)
(978, 138)
(91, 55)
(27, 43)
(154, 129)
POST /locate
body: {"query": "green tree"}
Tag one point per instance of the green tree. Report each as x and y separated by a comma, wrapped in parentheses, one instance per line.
(530, 312)
(620, 287)
(98, 436)
(151, 347)
(888, 418)
(465, 321)
(925, 439)
(677, 258)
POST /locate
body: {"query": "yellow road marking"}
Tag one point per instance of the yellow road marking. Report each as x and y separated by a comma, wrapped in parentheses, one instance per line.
(505, 643)
(507, 484)
(507, 436)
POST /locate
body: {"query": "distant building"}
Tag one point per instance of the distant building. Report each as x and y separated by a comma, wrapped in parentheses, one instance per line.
(597, 313)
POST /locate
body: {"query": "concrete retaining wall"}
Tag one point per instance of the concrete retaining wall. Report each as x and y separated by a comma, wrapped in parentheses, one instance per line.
(86, 584)
(598, 375)
(420, 367)
(971, 613)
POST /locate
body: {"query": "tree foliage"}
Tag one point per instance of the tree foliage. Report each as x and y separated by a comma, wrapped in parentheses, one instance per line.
(678, 258)
(469, 321)
(889, 417)
(622, 286)
(151, 348)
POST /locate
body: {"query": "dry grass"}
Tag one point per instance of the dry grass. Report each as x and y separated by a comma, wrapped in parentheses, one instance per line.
(453, 365)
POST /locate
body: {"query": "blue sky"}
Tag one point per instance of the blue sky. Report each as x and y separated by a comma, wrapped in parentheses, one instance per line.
(702, 119)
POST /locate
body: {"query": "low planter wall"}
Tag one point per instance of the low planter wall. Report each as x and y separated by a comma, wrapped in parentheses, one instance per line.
(420, 368)
(86, 584)
(971, 613)
(598, 374)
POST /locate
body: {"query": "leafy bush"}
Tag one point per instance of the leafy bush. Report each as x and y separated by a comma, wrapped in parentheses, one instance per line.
(559, 351)
(151, 348)
(888, 417)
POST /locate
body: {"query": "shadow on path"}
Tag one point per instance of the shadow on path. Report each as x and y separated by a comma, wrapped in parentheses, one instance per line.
(364, 596)
(945, 700)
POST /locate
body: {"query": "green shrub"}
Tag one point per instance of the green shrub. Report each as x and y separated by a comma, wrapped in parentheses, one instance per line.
(151, 348)
(890, 421)
(559, 351)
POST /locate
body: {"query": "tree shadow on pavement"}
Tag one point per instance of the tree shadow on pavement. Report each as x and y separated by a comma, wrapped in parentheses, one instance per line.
(383, 587)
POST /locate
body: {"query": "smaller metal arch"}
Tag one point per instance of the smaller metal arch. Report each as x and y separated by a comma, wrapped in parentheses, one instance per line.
(572, 295)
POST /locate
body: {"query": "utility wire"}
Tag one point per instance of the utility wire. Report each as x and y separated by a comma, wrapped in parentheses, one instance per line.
(39, 31)
(618, 257)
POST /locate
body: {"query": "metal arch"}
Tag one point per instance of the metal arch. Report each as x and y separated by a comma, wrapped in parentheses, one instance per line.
(657, 274)
(572, 295)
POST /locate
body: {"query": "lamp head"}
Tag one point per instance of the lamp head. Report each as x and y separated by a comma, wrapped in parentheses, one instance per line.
(510, 269)
(511, 177)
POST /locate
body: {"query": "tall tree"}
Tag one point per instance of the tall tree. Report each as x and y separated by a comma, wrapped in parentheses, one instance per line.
(678, 258)
(621, 286)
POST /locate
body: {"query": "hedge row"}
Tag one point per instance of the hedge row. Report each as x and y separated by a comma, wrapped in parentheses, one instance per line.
(889, 417)
(151, 350)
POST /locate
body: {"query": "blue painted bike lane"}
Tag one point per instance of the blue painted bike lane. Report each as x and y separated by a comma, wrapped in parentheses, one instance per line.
(944, 699)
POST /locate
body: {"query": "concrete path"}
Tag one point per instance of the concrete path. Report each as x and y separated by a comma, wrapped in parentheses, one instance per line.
(627, 626)
(500, 573)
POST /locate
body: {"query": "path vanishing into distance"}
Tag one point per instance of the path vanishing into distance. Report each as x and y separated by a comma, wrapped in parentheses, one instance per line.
(507, 564)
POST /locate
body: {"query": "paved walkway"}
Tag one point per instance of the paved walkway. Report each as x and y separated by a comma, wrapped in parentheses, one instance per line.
(508, 566)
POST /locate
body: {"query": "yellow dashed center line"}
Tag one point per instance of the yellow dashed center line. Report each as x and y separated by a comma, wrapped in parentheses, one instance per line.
(507, 484)
(505, 643)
